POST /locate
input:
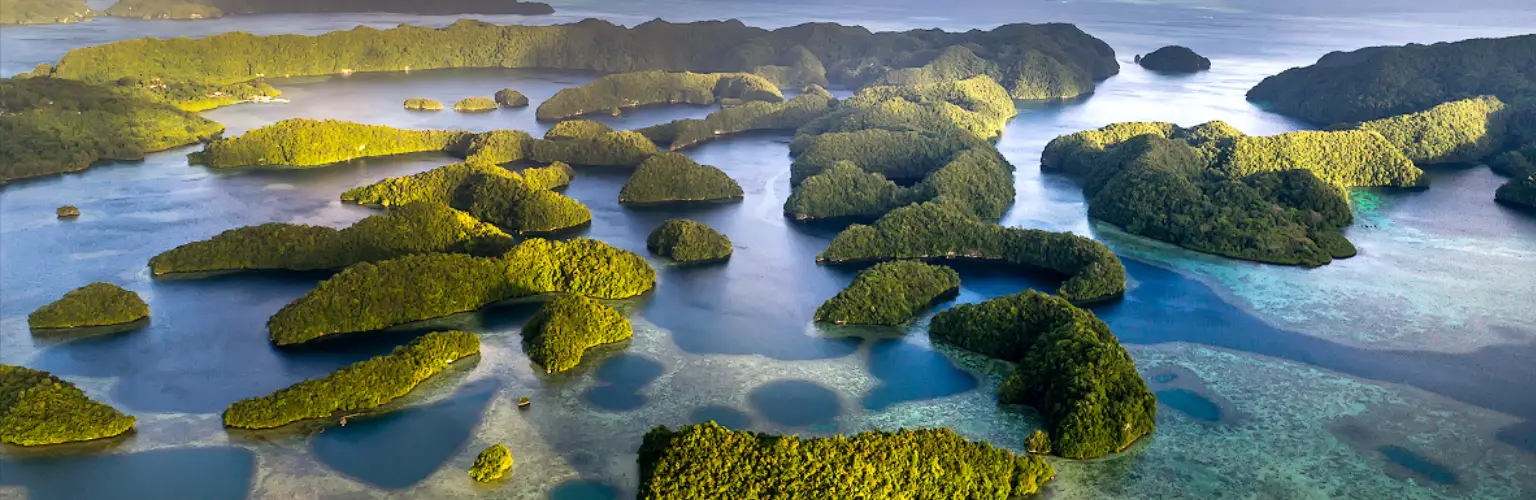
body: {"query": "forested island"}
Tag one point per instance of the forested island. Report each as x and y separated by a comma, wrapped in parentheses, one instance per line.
(360, 386)
(37, 408)
(43, 11)
(688, 241)
(673, 177)
(812, 102)
(511, 98)
(567, 326)
(492, 463)
(1071, 369)
(96, 304)
(889, 293)
(1174, 59)
(581, 142)
(209, 9)
(704, 460)
(415, 228)
(372, 296)
(616, 92)
(441, 185)
(302, 142)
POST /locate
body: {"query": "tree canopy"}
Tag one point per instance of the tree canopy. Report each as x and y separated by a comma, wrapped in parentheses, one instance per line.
(96, 304)
(889, 293)
(37, 408)
(684, 240)
(567, 326)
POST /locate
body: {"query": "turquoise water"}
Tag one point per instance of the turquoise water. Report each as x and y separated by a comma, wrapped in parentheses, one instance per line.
(1405, 372)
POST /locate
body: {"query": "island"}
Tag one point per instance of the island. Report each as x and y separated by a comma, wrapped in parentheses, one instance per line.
(1277, 199)
(567, 326)
(491, 464)
(890, 293)
(96, 304)
(1174, 59)
(583, 142)
(511, 98)
(812, 102)
(373, 296)
(513, 205)
(475, 105)
(364, 385)
(423, 104)
(709, 460)
(846, 192)
(66, 212)
(1461, 131)
(302, 142)
(37, 408)
(415, 228)
(210, 9)
(55, 126)
(1071, 369)
(1520, 166)
(1378, 82)
(497, 146)
(936, 231)
(688, 241)
(616, 92)
(43, 11)
(673, 177)
(441, 185)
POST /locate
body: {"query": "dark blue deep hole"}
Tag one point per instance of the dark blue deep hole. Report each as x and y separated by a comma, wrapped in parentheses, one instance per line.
(1418, 464)
(909, 372)
(399, 449)
(796, 403)
(623, 376)
(202, 473)
(1190, 403)
(583, 490)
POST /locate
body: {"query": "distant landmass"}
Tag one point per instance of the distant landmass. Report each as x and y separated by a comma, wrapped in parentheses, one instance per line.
(66, 11)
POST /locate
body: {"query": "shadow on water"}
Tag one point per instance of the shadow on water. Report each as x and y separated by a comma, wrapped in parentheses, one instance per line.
(796, 403)
(583, 490)
(909, 372)
(399, 449)
(201, 473)
(622, 377)
(1418, 465)
(1190, 403)
(723, 415)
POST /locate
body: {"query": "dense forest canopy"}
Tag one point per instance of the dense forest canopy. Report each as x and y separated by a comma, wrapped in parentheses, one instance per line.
(612, 93)
(889, 293)
(302, 142)
(684, 240)
(37, 408)
(567, 326)
(208, 9)
(42, 11)
(812, 102)
(96, 304)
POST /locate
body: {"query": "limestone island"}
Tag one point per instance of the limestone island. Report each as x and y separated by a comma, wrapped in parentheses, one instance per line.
(711, 461)
(491, 464)
(442, 184)
(1071, 369)
(303, 142)
(567, 326)
(212, 9)
(37, 408)
(96, 304)
(67, 212)
(673, 177)
(364, 385)
(423, 104)
(687, 241)
(613, 93)
(475, 105)
(44, 11)
(812, 102)
(415, 228)
(511, 98)
(889, 293)
(1174, 59)
(1520, 191)
(582, 142)
(373, 296)
(515, 206)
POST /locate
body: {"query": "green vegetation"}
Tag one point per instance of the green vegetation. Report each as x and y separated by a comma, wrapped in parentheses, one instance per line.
(363, 385)
(685, 240)
(209, 9)
(1174, 59)
(1518, 192)
(567, 326)
(710, 461)
(67, 211)
(1028, 75)
(577, 144)
(438, 185)
(756, 115)
(672, 177)
(1070, 368)
(511, 98)
(577, 129)
(1038, 443)
(612, 93)
(972, 109)
(1348, 158)
(165, 9)
(890, 293)
(1520, 165)
(1454, 132)
(896, 155)
(553, 176)
(845, 191)
(491, 464)
(934, 230)
(410, 229)
(37, 408)
(54, 126)
(372, 296)
(1378, 82)
(475, 105)
(96, 304)
(513, 205)
(497, 146)
(798, 67)
(303, 142)
(42, 11)
(423, 104)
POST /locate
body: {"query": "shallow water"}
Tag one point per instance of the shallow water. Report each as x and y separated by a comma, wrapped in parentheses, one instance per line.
(1402, 373)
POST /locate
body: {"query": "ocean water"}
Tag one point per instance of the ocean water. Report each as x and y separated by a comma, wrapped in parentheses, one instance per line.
(1406, 372)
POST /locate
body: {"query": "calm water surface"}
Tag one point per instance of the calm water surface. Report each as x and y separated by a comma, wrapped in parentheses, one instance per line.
(1405, 372)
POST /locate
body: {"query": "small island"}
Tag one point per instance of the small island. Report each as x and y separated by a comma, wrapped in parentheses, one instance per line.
(1520, 166)
(709, 460)
(37, 408)
(567, 326)
(423, 104)
(511, 98)
(212, 9)
(934, 231)
(513, 205)
(373, 296)
(475, 105)
(302, 142)
(583, 142)
(845, 191)
(96, 304)
(364, 385)
(67, 212)
(1070, 368)
(812, 103)
(613, 93)
(673, 177)
(43, 11)
(1174, 59)
(414, 228)
(890, 293)
(491, 464)
(440, 185)
(687, 241)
